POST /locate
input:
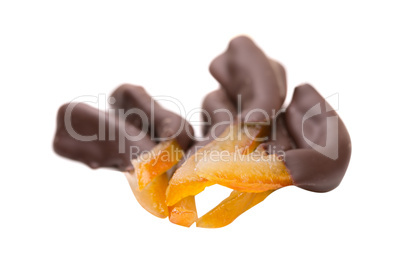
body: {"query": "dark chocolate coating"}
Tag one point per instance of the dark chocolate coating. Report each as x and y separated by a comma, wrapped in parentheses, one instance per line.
(310, 169)
(166, 124)
(221, 112)
(220, 109)
(99, 152)
(279, 141)
(243, 69)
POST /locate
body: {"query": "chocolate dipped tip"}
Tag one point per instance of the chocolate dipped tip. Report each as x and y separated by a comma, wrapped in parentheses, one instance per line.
(91, 136)
(140, 108)
(322, 140)
(244, 70)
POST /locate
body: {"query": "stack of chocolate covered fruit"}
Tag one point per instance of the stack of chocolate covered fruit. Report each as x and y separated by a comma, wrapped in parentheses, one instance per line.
(251, 142)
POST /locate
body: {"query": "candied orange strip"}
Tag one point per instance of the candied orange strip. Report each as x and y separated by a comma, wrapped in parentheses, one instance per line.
(255, 172)
(183, 213)
(157, 161)
(231, 208)
(185, 182)
(152, 198)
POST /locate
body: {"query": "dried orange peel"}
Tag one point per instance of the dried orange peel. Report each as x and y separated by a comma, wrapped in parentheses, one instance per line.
(254, 172)
(183, 213)
(229, 209)
(232, 160)
(253, 177)
(186, 182)
(149, 180)
(152, 197)
(157, 161)
(236, 138)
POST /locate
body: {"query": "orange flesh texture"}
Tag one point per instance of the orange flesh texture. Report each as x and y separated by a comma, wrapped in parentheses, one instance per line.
(186, 182)
(231, 208)
(183, 213)
(255, 172)
(159, 160)
(152, 198)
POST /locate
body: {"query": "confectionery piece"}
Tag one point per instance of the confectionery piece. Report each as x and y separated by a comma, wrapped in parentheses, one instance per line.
(243, 69)
(166, 124)
(159, 160)
(184, 212)
(322, 140)
(152, 197)
(250, 143)
(231, 208)
(78, 137)
(186, 182)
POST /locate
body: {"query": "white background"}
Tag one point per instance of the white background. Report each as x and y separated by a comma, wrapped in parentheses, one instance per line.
(51, 53)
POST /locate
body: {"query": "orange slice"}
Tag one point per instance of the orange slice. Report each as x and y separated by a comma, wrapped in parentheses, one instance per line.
(157, 161)
(183, 213)
(152, 198)
(255, 172)
(231, 208)
(185, 182)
